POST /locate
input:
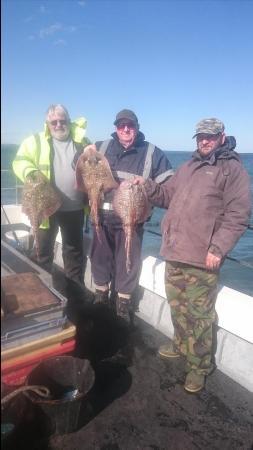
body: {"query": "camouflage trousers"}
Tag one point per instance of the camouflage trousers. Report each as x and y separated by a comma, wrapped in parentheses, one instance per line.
(191, 293)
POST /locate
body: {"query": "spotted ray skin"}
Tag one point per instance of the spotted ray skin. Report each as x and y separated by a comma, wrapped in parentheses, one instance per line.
(39, 201)
(131, 204)
(94, 176)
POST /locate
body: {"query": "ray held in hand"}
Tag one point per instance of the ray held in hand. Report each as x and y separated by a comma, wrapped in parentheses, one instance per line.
(131, 204)
(39, 201)
(94, 176)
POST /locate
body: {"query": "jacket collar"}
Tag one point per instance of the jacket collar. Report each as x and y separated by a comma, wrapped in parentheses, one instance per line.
(140, 138)
(226, 151)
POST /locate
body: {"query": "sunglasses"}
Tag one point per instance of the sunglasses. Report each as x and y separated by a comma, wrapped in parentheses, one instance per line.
(61, 122)
(208, 137)
(122, 125)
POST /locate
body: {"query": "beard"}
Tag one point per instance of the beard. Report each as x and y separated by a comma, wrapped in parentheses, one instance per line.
(60, 135)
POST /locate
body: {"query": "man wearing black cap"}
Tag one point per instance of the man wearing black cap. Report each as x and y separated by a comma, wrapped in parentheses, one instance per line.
(209, 209)
(128, 154)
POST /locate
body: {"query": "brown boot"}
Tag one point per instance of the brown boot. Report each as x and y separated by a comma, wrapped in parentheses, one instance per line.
(168, 351)
(194, 382)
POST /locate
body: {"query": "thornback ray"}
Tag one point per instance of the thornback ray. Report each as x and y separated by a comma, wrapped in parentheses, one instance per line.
(39, 201)
(131, 204)
(94, 176)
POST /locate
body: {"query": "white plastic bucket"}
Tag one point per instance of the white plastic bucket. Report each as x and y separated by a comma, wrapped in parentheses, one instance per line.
(22, 235)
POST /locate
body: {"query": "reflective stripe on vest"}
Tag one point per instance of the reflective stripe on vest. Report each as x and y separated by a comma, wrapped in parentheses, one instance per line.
(161, 178)
(38, 147)
(103, 147)
(127, 175)
(148, 161)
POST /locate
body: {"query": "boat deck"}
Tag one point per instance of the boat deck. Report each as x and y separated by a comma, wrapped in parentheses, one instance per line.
(139, 402)
(144, 406)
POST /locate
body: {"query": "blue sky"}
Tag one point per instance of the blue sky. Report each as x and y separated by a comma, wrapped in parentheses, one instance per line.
(172, 62)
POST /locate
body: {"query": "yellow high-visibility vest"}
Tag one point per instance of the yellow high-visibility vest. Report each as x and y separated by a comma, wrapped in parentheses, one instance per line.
(34, 152)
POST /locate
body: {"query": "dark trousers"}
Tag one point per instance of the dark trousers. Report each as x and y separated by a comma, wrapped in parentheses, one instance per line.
(71, 226)
(108, 258)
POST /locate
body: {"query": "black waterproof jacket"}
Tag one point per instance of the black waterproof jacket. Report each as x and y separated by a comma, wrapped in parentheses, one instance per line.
(131, 161)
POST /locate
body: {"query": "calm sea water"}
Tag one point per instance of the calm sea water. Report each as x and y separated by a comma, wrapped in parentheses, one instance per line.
(233, 274)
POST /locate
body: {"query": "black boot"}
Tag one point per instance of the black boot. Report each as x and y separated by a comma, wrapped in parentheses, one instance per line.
(101, 297)
(124, 309)
(112, 300)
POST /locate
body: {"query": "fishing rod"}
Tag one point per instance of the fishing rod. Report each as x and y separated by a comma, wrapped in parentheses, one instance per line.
(242, 263)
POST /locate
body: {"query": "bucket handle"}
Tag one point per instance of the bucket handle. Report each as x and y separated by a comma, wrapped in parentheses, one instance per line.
(42, 391)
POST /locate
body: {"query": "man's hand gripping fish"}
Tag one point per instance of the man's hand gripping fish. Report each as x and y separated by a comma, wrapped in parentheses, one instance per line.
(94, 176)
(39, 201)
(131, 204)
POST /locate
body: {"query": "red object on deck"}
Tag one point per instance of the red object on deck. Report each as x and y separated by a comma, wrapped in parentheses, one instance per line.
(15, 370)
